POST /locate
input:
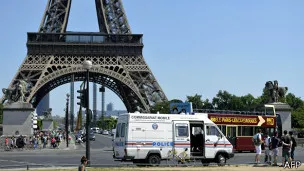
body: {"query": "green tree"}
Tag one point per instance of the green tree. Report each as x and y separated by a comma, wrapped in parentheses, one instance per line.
(39, 124)
(196, 101)
(222, 101)
(55, 124)
(207, 104)
(294, 102)
(161, 107)
(297, 118)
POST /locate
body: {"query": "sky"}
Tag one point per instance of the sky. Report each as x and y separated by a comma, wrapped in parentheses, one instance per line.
(192, 47)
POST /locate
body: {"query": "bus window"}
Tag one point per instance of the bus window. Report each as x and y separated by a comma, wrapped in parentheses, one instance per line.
(245, 131)
(269, 110)
(270, 131)
(222, 128)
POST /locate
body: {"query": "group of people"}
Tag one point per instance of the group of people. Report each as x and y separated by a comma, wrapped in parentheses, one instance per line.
(38, 140)
(15, 142)
(272, 144)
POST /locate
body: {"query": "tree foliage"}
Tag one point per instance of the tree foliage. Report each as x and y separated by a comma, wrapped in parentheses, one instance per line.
(226, 101)
(109, 123)
(161, 107)
(39, 124)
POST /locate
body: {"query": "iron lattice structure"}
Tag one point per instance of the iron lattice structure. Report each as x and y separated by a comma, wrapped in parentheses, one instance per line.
(118, 64)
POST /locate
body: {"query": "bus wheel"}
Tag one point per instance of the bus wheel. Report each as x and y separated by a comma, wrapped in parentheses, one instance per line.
(221, 160)
(154, 160)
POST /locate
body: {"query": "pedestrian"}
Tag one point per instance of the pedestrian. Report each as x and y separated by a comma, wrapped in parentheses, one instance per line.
(294, 145)
(286, 146)
(267, 148)
(12, 142)
(6, 143)
(83, 164)
(275, 148)
(257, 140)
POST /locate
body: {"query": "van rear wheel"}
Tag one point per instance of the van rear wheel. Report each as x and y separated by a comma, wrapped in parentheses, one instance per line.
(154, 160)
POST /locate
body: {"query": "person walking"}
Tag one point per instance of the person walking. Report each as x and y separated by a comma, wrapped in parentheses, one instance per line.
(286, 146)
(84, 162)
(257, 140)
(275, 148)
(267, 148)
(294, 145)
(6, 143)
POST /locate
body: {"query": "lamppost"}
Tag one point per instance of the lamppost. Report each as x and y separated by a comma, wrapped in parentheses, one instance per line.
(87, 65)
(102, 90)
(67, 120)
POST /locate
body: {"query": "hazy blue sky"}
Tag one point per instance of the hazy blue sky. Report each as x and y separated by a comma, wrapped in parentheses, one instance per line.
(199, 46)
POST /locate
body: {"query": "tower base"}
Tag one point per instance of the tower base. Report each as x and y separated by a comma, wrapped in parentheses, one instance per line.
(17, 119)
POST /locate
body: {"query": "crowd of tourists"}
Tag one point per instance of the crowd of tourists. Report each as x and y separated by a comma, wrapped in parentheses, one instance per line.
(40, 140)
(272, 144)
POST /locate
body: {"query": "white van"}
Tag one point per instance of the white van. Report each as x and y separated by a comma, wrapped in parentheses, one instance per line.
(150, 138)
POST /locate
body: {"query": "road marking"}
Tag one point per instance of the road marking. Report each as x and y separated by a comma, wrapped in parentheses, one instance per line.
(19, 162)
(107, 136)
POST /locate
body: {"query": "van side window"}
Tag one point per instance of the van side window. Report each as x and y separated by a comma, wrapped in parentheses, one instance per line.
(212, 130)
(181, 130)
(118, 130)
(123, 130)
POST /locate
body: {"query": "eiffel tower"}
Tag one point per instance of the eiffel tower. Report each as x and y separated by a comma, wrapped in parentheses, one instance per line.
(54, 55)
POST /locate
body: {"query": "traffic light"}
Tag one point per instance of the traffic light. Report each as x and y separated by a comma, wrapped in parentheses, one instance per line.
(83, 98)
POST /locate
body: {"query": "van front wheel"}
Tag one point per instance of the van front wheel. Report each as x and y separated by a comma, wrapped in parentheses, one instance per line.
(221, 160)
(154, 160)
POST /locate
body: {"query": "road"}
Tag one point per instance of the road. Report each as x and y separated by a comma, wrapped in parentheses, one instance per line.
(101, 154)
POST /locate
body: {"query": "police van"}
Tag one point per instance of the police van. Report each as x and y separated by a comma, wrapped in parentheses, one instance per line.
(150, 138)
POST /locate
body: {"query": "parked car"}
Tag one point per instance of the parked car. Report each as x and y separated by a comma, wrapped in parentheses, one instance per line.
(95, 129)
(91, 136)
(100, 131)
(105, 132)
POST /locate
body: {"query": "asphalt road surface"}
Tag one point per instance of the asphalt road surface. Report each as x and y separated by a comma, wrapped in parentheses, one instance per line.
(101, 154)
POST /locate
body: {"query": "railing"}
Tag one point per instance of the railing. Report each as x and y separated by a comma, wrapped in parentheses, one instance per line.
(231, 112)
(81, 37)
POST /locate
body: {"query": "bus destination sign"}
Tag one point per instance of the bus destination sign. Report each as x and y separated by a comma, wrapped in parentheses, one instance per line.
(241, 120)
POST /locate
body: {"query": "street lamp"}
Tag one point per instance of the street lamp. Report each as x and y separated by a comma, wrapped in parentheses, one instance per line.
(67, 120)
(87, 65)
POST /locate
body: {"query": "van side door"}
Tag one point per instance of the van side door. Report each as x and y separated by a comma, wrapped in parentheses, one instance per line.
(181, 139)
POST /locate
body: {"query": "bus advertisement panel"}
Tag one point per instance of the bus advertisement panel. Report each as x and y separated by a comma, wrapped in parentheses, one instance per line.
(239, 129)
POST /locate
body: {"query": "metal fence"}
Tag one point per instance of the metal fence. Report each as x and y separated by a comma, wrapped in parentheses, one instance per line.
(300, 142)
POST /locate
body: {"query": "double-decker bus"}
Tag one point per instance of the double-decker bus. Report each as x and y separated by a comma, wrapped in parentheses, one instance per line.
(240, 126)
